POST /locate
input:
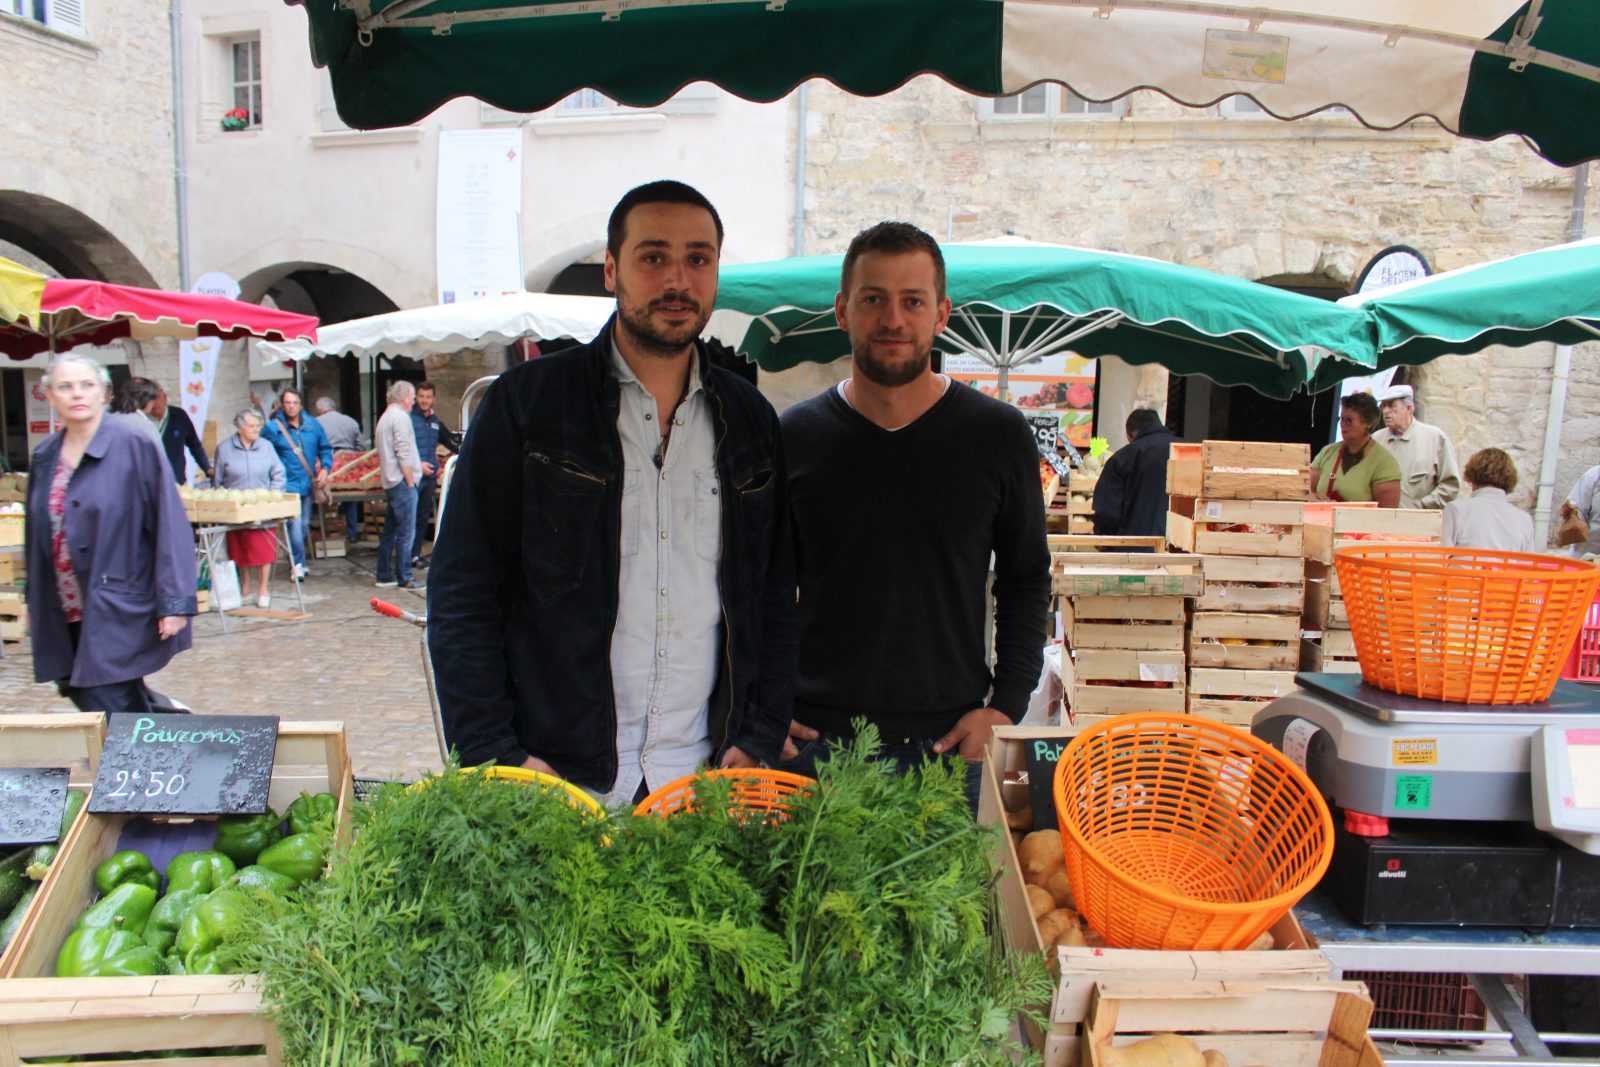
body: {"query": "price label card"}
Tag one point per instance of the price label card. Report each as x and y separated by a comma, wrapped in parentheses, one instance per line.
(32, 800)
(1046, 428)
(1043, 755)
(172, 764)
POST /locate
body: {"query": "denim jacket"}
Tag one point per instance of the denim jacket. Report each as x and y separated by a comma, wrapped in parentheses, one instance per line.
(522, 594)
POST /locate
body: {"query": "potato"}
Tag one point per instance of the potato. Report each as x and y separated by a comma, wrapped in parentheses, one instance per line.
(1072, 936)
(1040, 901)
(1261, 943)
(1040, 852)
(1059, 886)
(1020, 820)
(1053, 924)
(1162, 1050)
(1215, 1058)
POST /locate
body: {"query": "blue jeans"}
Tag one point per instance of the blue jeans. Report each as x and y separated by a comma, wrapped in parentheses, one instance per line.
(905, 755)
(399, 526)
(426, 489)
(298, 528)
(352, 521)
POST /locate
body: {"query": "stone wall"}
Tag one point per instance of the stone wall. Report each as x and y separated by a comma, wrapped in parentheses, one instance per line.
(1305, 203)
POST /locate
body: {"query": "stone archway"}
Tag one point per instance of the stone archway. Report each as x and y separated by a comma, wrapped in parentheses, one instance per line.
(68, 241)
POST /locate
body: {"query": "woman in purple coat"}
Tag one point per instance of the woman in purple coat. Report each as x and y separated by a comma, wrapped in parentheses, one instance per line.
(110, 556)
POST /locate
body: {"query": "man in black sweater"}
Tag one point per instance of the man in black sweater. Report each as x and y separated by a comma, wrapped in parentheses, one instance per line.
(903, 484)
(1131, 496)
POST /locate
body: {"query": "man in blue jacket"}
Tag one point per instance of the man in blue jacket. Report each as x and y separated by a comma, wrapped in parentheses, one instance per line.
(431, 432)
(307, 462)
(177, 435)
(612, 595)
(1130, 499)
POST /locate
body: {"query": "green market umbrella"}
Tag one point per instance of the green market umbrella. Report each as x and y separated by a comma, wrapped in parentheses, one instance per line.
(1017, 301)
(1481, 68)
(1552, 294)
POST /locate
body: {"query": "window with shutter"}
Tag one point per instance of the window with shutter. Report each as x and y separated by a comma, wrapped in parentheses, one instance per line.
(66, 16)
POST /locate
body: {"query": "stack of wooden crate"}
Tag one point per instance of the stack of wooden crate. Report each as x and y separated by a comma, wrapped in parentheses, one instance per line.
(1240, 507)
(13, 604)
(1071, 508)
(1330, 527)
(1123, 621)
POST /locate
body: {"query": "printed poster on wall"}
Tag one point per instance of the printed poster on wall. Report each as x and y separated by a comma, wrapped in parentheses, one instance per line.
(1060, 385)
(197, 363)
(479, 218)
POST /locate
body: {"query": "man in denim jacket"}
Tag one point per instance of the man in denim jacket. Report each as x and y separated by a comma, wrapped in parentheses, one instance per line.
(612, 598)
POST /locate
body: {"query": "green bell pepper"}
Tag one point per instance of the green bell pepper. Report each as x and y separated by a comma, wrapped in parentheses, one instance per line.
(314, 814)
(213, 921)
(101, 951)
(161, 932)
(126, 908)
(242, 837)
(200, 871)
(300, 856)
(129, 865)
(254, 877)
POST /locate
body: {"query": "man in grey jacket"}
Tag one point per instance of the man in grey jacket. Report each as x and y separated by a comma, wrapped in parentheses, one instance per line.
(399, 469)
(344, 434)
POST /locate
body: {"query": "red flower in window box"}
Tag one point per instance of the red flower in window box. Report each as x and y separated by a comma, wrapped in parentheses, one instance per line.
(237, 119)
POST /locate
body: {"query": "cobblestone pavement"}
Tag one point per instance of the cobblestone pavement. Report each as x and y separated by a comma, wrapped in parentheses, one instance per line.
(345, 662)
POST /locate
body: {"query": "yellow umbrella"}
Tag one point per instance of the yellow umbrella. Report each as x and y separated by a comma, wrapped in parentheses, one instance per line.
(20, 292)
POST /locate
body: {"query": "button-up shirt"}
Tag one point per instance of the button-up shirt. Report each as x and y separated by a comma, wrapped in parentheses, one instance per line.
(1429, 477)
(668, 637)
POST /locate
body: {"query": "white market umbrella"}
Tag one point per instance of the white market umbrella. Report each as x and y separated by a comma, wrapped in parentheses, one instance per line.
(417, 332)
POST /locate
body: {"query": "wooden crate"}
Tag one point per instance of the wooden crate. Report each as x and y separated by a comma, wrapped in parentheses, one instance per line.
(1159, 574)
(1234, 696)
(1239, 470)
(11, 530)
(1355, 526)
(41, 1015)
(228, 512)
(69, 740)
(1236, 527)
(11, 566)
(1136, 623)
(1100, 543)
(1334, 654)
(1279, 634)
(13, 616)
(1095, 683)
(1078, 969)
(1269, 584)
(1078, 524)
(1284, 1023)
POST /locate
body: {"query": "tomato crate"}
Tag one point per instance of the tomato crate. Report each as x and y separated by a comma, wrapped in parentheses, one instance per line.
(1159, 574)
(1348, 526)
(1136, 623)
(69, 740)
(1281, 1023)
(43, 1015)
(1290, 956)
(1268, 584)
(1244, 640)
(1105, 682)
(1234, 696)
(1335, 653)
(1236, 527)
(1239, 470)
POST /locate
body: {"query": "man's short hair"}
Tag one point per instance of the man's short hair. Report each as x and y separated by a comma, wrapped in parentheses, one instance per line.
(665, 191)
(895, 239)
(325, 404)
(135, 394)
(429, 386)
(400, 391)
(1142, 420)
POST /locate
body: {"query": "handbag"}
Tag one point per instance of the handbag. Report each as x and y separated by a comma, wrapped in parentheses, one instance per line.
(319, 492)
(225, 585)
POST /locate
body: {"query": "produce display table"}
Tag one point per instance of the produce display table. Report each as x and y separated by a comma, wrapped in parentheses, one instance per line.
(210, 541)
(1486, 953)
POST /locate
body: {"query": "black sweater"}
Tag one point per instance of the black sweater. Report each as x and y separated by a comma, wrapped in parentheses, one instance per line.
(893, 535)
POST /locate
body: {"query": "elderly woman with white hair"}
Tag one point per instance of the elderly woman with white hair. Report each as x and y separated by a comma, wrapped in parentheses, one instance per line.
(110, 555)
(247, 461)
(400, 469)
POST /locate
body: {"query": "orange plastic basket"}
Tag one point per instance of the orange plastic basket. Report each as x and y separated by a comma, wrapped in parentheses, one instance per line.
(755, 792)
(1460, 624)
(1183, 833)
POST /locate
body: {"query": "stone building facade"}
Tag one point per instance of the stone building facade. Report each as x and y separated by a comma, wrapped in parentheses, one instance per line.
(1303, 204)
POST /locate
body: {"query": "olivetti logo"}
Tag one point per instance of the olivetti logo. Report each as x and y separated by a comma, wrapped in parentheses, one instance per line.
(1392, 870)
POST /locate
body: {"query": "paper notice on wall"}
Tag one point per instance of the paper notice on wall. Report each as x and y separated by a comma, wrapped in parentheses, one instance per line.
(479, 216)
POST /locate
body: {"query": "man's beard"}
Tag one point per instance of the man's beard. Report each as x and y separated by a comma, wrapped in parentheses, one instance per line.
(636, 322)
(886, 374)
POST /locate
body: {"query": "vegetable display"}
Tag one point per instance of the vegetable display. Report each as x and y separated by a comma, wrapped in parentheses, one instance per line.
(473, 920)
(22, 871)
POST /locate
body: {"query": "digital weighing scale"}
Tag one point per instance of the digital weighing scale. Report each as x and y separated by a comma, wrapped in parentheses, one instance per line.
(1436, 802)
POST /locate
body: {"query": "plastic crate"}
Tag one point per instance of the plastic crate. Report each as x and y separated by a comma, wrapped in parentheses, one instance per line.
(1421, 1001)
(1583, 662)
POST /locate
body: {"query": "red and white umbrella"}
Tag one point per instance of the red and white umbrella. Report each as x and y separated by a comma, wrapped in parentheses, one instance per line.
(75, 312)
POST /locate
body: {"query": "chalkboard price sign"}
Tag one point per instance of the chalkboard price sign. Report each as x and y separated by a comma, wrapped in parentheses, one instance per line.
(1043, 754)
(186, 764)
(1046, 428)
(32, 800)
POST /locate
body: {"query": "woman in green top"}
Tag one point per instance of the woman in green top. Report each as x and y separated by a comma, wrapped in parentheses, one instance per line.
(1357, 468)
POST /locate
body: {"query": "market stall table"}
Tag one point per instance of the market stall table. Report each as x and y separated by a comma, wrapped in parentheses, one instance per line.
(210, 539)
